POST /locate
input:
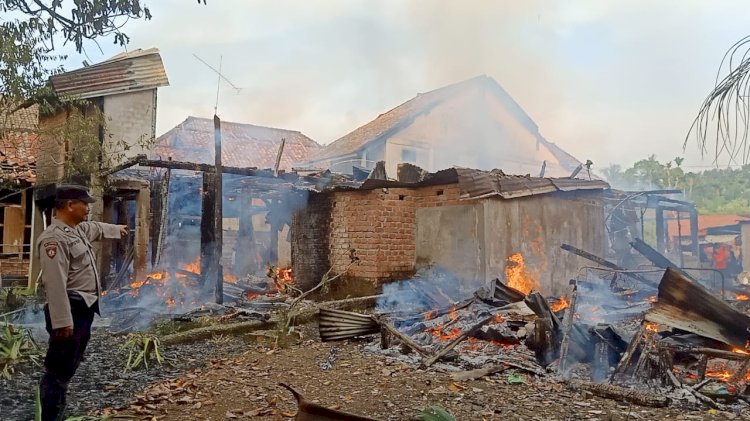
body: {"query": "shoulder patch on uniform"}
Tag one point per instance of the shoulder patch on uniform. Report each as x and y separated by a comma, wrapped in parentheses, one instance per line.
(50, 247)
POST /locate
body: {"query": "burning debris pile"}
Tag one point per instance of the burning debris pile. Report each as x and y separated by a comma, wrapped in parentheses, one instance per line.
(183, 292)
(624, 336)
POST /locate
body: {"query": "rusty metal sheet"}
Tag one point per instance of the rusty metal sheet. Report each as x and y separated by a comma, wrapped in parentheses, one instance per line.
(127, 72)
(688, 306)
(335, 325)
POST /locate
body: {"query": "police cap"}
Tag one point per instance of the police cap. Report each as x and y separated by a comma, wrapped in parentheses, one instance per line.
(73, 192)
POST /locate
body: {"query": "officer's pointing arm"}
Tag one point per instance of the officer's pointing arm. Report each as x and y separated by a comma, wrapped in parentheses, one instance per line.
(53, 256)
(97, 230)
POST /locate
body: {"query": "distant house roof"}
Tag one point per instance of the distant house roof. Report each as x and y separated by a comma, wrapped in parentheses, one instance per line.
(704, 223)
(18, 145)
(390, 122)
(132, 71)
(243, 145)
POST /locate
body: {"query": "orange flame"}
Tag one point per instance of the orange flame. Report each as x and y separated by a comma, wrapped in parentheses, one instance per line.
(283, 278)
(516, 275)
(740, 351)
(652, 327)
(742, 297)
(429, 315)
(453, 313)
(561, 304)
(444, 336)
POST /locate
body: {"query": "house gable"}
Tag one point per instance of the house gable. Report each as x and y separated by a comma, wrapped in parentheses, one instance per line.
(473, 123)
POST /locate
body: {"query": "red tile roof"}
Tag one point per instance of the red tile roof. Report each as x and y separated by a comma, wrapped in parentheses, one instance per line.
(18, 145)
(243, 145)
(704, 222)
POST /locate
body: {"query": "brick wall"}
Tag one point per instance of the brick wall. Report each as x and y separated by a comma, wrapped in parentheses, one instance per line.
(379, 224)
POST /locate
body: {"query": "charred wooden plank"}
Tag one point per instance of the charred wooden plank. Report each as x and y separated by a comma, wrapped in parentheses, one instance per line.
(452, 344)
(657, 258)
(610, 391)
(629, 352)
(686, 305)
(405, 339)
(567, 325)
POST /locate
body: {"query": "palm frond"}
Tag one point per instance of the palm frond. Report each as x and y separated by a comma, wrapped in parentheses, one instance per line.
(723, 120)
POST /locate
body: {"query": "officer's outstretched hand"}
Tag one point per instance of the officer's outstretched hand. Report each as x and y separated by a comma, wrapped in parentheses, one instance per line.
(62, 333)
(123, 230)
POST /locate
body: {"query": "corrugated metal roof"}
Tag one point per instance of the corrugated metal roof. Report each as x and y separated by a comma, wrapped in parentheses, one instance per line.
(134, 71)
(478, 184)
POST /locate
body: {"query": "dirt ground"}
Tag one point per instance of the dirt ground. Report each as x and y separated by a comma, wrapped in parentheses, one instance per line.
(246, 386)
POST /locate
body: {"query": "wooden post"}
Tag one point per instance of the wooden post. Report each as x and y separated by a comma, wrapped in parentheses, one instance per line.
(567, 325)
(218, 214)
(208, 229)
(278, 158)
(140, 241)
(163, 226)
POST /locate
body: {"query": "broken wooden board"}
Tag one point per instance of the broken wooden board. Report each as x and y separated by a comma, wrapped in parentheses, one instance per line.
(686, 305)
(610, 391)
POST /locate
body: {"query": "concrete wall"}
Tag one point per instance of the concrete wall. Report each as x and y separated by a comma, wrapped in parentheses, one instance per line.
(452, 237)
(131, 118)
(535, 227)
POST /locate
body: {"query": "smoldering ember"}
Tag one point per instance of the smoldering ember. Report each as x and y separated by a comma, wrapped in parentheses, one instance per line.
(442, 261)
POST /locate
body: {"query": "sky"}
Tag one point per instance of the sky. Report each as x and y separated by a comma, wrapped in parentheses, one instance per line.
(609, 81)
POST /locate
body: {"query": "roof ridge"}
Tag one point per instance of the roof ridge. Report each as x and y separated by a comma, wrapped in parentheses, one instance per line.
(245, 124)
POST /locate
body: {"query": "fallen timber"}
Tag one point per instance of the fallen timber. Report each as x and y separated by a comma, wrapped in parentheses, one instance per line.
(606, 263)
(452, 344)
(406, 340)
(610, 391)
(495, 368)
(567, 326)
(657, 258)
(203, 333)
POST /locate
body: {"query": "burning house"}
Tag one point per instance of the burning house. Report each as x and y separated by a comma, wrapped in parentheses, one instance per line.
(474, 224)
(252, 238)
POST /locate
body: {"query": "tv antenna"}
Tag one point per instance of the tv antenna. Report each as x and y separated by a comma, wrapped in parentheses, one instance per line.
(221, 77)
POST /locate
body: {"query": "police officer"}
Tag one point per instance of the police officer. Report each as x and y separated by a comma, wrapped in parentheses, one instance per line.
(72, 285)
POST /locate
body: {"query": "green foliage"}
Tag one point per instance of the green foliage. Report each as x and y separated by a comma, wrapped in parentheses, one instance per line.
(715, 191)
(30, 28)
(435, 413)
(16, 345)
(141, 348)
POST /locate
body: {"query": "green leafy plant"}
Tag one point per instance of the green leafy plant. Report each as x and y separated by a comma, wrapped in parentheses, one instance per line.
(141, 348)
(16, 346)
(435, 413)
